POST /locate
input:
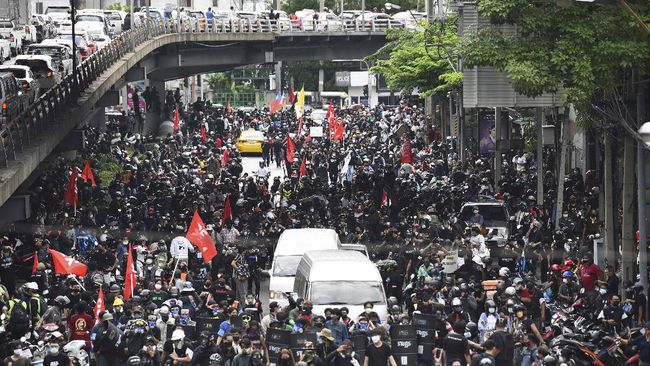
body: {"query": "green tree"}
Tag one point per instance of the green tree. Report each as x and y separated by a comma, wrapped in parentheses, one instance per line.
(424, 60)
(335, 5)
(119, 7)
(586, 48)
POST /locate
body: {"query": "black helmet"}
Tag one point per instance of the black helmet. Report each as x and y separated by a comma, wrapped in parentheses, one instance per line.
(216, 360)
(392, 301)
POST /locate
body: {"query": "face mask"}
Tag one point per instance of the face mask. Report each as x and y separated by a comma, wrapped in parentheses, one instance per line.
(174, 312)
(616, 304)
(152, 324)
(158, 286)
(492, 310)
(368, 310)
(246, 351)
(511, 310)
(468, 334)
(164, 317)
(54, 350)
(179, 344)
(602, 291)
(375, 339)
(256, 361)
(18, 352)
(118, 309)
(235, 338)
(565, 280)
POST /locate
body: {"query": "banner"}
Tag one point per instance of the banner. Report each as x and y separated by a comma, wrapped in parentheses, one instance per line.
(276, 339)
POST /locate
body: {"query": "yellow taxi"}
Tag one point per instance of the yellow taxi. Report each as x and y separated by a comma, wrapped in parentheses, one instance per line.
(250, 141)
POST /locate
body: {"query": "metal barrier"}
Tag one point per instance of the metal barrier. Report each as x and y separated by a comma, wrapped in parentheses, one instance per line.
(43, 113)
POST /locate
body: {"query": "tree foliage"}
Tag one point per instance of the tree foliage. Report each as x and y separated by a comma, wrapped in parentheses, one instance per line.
(119, 7)
(424, 60)
(586, 48)
(306, 73)
(220, 83)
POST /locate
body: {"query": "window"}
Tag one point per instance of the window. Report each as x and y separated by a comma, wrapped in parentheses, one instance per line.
(346, 292)
(286, 265)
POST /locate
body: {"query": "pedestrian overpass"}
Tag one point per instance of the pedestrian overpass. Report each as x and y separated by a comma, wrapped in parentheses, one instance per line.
(159, 52)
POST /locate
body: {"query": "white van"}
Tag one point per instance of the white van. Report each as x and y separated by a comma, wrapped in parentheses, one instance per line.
(293, 243)
(337, 278)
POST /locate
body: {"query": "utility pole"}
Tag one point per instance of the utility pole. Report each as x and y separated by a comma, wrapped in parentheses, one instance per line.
(610, 210)
(628, 244)
(497, 153)
(564, 144)
(539, 121)
(641, 188)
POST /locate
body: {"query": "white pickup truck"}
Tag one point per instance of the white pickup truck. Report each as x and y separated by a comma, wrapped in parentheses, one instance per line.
(10, 32)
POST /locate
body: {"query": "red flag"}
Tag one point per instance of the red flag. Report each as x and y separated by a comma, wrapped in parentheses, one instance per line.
(225, 157)
(67, 265)
(129, 278)
(99, 305)
(338, 134)
(291, 148)
(331, 126)
(177, 119)
(227, 212)
(330, 111)
(87, 173)
(35, 262)
(406, 153)
(203, 135)
(384, 198)
(199, 236)
(303, 168)
(292, 94)
(228, 110)
(219, 142)
(71, 195)
(299, 125)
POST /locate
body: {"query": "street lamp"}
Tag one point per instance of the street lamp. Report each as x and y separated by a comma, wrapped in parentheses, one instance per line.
(644, 132)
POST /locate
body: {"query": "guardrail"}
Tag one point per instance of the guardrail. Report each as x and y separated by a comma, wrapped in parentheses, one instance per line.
(19, 133)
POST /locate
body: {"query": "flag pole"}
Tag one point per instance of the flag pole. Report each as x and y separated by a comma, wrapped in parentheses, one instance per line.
(79, 283)
(174, 272)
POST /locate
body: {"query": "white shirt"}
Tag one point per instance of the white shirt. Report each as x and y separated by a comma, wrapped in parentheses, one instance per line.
(262, 172)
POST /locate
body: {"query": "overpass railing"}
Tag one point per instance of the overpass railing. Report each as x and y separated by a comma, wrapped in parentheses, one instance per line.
(46, 112)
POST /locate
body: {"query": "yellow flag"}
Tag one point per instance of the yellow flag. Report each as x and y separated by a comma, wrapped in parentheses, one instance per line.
(300, 103)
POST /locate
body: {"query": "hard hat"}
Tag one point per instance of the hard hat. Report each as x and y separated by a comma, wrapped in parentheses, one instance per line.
(567, 274)
(456, 302)
(32, 286)
(178, 334)
(118, 302)
(504, 272)
(510, 291)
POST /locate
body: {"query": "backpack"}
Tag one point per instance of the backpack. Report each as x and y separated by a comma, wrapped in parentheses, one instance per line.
(18, 316)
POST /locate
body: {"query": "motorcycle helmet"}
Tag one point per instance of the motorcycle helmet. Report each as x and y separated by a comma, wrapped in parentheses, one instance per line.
(456, 302)
(134, 361)
(567, 274)
(392, 301)
(504, 272)
(216, 360)
(510, 291)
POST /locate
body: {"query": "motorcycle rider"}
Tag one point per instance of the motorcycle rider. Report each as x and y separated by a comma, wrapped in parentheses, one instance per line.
(54, 357)
(614, 318)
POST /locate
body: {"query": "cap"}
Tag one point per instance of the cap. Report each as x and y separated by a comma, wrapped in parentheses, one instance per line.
(32, 286)
(178, 334)
(164, 310)
(63, 300)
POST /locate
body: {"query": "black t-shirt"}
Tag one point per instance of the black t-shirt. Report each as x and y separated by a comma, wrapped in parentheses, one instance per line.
(503, 342)
(612, 284)
(58, 360)
(455, 346)
(378, 356)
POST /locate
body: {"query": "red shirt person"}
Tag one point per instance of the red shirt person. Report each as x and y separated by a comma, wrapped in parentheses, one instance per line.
(589, 273)
(80, 324)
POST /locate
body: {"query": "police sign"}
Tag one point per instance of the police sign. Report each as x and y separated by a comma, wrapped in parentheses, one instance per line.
(343, 78)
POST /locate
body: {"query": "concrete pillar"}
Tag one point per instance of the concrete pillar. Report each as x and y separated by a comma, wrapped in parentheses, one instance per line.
(539, 122)
(98, 119)
(278, 77)
(498, 157)
(321, 82)
(609, 209)
(373, 95)
(124, 98)
(628, 245)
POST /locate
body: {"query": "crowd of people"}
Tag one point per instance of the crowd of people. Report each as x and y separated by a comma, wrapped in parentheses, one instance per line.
(389, 181)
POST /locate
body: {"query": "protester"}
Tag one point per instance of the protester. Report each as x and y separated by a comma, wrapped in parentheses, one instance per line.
(380, 177)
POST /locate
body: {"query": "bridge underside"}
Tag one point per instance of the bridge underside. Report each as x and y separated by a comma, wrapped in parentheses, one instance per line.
(172, 56)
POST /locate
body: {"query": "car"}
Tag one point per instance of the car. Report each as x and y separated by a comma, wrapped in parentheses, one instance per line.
(250, 141)
(379, 20)
(93, 22)
(44, 26)
(410, 19)
(5, 49)
(496, 219)
(115, 21)
(43, 69)
(61, 55)
(329, 22)
(86, 49)
(9, 99)
(101, 40)
(224, 20)
(11, 33)
(197, 19)
(65, 43)
(26, 81)
(59, 12)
